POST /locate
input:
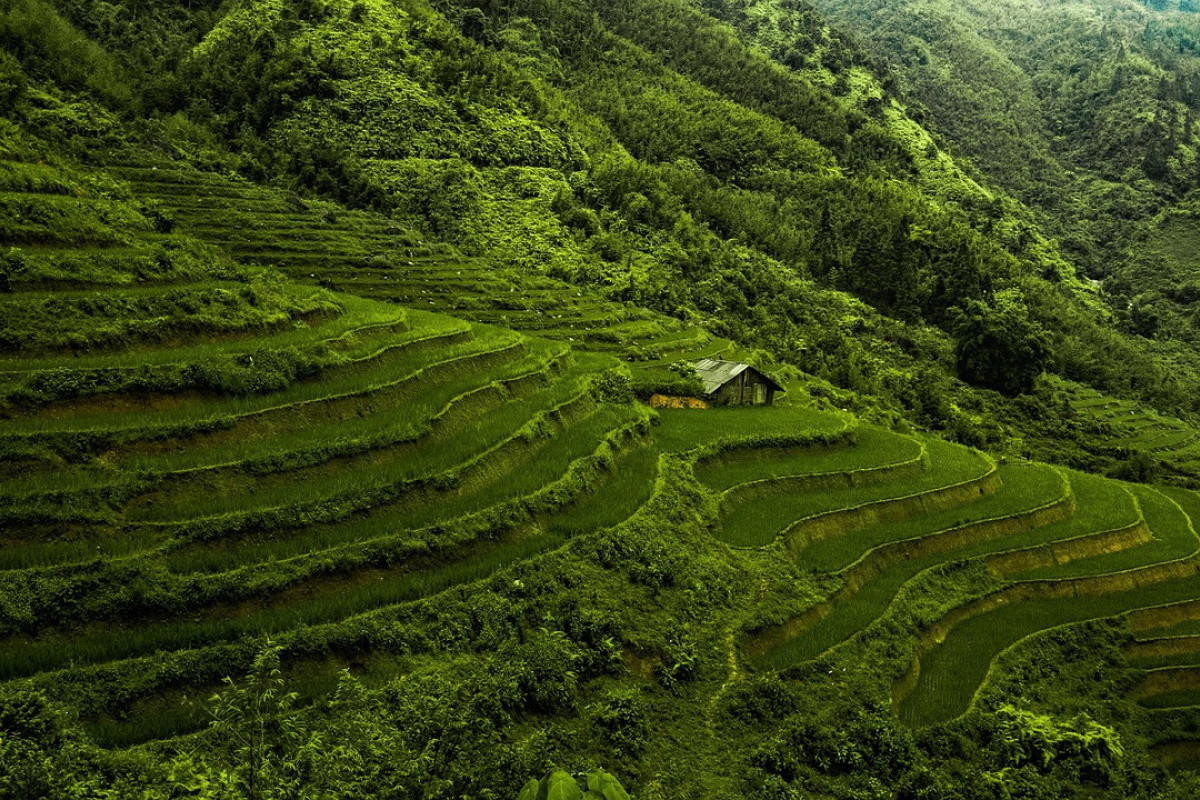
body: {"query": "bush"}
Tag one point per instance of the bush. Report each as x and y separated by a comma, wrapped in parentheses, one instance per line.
(621, 720)
(12, 80)
(680, 381)
(12, 264)
(998, 346)
(160, 220)
(561, 785)
(50, 47)
(614, 386)
(253, 373)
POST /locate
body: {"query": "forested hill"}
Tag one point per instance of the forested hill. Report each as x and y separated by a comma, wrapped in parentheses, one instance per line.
(1085, 110)
(745, 165)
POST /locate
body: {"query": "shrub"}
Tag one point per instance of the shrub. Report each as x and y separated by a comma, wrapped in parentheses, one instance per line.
(12, 264)
(253, 373)
(998, 345)
(560, 785)
(680, 381)
(1025, 738)
(613, 386)
(544, 668)
(12, 80)
(621, 721)
(161, 221)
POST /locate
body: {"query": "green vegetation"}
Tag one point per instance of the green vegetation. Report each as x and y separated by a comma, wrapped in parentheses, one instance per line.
(759, 522)
(326, 331)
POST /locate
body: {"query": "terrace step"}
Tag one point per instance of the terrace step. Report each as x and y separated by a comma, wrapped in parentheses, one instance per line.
(347, 354)
(428, 422)
(469, 458)
(283, 439)
(958, 650)
(1168, 687)
(955, 476)
(1034, 503)
(224, 623)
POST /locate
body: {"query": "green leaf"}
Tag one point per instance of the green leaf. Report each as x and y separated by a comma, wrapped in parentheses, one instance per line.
(563, 787)
(530, 792)
(603, 784)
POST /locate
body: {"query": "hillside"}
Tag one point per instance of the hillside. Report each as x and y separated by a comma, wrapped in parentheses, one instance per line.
(325, 468)
(1085, 110)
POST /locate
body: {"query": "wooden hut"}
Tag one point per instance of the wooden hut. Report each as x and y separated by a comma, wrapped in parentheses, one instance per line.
(732, 383)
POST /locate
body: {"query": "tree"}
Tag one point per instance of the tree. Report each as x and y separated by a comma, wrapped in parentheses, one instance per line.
(251, 720)
(998, 346)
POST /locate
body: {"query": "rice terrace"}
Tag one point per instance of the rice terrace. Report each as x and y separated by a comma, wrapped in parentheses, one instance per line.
(554, 399)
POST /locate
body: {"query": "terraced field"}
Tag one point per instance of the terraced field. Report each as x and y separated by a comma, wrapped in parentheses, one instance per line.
(369, 255)
(198, 451)
(970, 556)
(1125, 428)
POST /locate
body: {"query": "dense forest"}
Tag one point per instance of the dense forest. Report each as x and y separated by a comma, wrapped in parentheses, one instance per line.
(1085, 111)
(326, 328)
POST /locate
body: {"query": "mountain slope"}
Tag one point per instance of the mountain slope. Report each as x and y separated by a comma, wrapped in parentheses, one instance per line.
(1085, 110)
(324, 324)
(755, 193)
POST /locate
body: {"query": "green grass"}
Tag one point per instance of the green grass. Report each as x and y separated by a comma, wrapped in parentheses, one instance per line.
(1182, 698)
(952, 672)
(358, 313)
(1026, 487)
(551, 462)
(1185, 628)
(51, 219)
(873, 448)
(349, 378)
(106, 544)
(304, 435)
(682, 430)
(1188, 658)
(452, 453)
(310, 425)
(758, 522)
(370, 255)
(394, 410)
(96, 320)
(409, 424)
(1172, 540)
(53, 651)
(617, 498)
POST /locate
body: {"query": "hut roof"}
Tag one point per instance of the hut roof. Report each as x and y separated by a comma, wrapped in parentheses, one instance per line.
(716, 373)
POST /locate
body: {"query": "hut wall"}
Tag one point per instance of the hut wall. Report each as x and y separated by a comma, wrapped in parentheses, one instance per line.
(744, 390)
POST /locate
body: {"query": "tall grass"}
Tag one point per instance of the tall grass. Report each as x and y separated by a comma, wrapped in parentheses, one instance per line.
(355, 377)
(1026, 487)
(758, 521)
(617, 498)
(54, 652)
(681, 430)
(108, 544)
(399, 407)
(873, 447)
(358, 313)
(552, 460)
(952, 672)
(453, 453)
(296, 440)
(1173, 539)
